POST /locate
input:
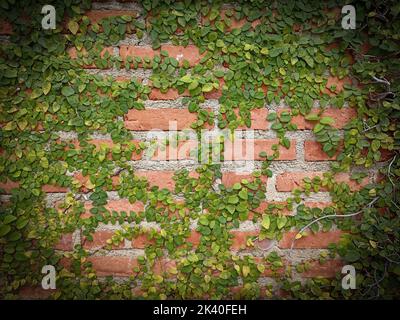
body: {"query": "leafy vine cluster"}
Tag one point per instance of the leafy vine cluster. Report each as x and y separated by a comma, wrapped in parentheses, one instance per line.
(282, 54)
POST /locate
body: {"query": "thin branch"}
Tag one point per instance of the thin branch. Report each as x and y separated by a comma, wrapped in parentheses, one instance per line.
(333, 216)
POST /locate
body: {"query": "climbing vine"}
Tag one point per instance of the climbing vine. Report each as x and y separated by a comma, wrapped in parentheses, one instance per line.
(282, 54)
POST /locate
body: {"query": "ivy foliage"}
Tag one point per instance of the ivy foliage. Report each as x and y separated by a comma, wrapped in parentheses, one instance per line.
(282, 53)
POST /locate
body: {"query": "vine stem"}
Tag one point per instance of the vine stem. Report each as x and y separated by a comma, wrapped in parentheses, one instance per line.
(332, 216)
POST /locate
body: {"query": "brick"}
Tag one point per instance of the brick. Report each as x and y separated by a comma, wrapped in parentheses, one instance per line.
(163, 179)
(235, 24)
(5, 27)
(190, 53)
(230, 178)
(184, 150)
(318, 240)
(264, 205)
(247, 149)
(240, 238)
(215, 93)
(116, 205)
(99, 143)
(34, 293)
(96, 15)
(9, 185)
(287, 181)
(73, 53)
(313, 152)
(328, 269)
(120, 266)
(65, 243)
(268, 272)
(84, 180)
(171, 94)
(137, 51)
(100, 240)
(341, 117)
(258, 119)
(318, 204)
(159, 119)
(339, 83)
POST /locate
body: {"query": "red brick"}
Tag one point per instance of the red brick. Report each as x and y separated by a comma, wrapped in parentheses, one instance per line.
(230, 178)
(159, 119)
(216, 93)
(163, 179)
(240, 238)
(108, 143)
(137, 51)
(96, 15)
(288, 181)
(9, 185)
(318, 240)
(190, 53)
(183, 151)
(235, 24)
(116, 205)
(318, 204)
(171, 94)
(339, 83)
(34, 293)
(247, 149)
(120, 266)
(65, 243)
(326, 270)
(5, 27)
(341, 117)
(100, 240)
(264, 205)
(73, 53)
(313, 152)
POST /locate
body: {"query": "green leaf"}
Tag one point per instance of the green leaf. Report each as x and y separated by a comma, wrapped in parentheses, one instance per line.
(312, 117)
(67, 91)
(73, 26)
(207, 87)
(233, 199)
(4, 229)
(46, 88)
(281, 222)
(266, 222)
(327, 120)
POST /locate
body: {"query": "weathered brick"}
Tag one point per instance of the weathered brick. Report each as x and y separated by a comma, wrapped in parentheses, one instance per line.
(100, 240)
(73, 53)
(341, 117)
(159, 119)
(190, 53)
(288, 181)
(65, 243)
(184, 150)
(171, 94)
(318, 240)
(335, 81)
(120, 266)
(328, 269)
(313, 152)
(116, 205)
(137, 51)
(9, 185)
(230, 178)
(96, 15)
(249, 149)
(163, 179)
(5, 27)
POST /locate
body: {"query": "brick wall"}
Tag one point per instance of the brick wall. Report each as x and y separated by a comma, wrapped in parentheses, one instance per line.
(304, 158)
